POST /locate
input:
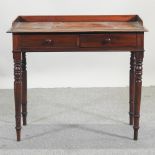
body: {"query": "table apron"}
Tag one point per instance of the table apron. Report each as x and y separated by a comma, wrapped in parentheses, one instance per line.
(78, 42)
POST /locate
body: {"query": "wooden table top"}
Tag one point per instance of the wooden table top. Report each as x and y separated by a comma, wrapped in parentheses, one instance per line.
(34, 26)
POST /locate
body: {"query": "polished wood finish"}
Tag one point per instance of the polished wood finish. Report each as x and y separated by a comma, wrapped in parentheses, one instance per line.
(132, 87)
(24, 88)
(78, 42)
(79, 18)
(138, 86)
(49, 41)
(32, 24)
(108, 40)
(124, 33)
(31, 27)
(18, 90)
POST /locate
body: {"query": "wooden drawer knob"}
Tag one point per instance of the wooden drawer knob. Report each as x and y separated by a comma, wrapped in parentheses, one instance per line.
(49, 42)
(107, 40)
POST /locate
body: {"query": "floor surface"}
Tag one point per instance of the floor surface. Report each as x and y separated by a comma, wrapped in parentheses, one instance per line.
(78, 121)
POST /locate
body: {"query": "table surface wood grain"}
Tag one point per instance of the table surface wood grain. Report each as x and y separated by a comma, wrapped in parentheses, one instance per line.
(77, 26)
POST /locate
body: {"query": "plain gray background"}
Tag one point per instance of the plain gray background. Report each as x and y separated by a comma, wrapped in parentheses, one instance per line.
(75, 69)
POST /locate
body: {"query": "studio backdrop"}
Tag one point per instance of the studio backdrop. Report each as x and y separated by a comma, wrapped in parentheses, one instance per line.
(77, 69)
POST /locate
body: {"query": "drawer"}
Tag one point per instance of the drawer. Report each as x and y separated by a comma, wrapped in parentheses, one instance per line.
(48, 41)
(112, 40)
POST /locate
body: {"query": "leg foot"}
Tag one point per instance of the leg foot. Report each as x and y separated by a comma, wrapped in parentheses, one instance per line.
(18, 131)
(135, 134)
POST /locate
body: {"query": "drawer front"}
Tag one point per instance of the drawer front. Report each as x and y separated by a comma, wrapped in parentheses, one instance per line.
(108, 40)
(48, 41)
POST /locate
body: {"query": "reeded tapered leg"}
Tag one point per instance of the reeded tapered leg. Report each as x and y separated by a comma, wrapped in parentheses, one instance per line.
(24, 88)
(132, 88)
(138, 84)
(18, 90)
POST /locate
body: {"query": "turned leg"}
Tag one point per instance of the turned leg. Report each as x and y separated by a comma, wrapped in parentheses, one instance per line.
(18, 90)
(138, 84)
(132, 88)
(24, 88)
